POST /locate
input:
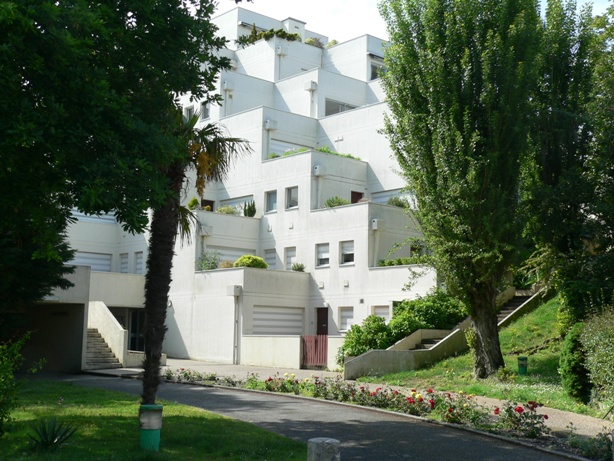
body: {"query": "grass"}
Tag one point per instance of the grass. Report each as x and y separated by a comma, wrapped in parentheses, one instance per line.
(534, 336)
(108, 429)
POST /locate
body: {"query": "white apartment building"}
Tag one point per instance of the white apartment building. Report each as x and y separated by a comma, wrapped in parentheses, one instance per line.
(280, 96)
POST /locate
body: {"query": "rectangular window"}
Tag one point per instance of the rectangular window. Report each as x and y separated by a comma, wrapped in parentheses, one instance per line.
(347, 252)
(346, 318)
(123, 263)
(382, 311)
(271, 258)
(188, 112)
(334, 107)
(205, 112)
(292, 197)
(322, 255)
(138, 262)
(290, 257)
(271, 200)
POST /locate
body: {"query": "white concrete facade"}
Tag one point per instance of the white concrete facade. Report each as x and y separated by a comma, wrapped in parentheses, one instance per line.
(280, 96)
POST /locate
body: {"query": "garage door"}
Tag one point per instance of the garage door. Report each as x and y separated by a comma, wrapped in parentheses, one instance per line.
(277, 321)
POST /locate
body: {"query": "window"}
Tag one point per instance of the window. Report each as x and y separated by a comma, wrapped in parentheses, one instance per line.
(346, 318)
(290, 257)
(292, 197)
(347, 252)
(271, 200)
(188, 112)
(357, 196)
(138, 262)
(123, 263)
(322, 258)
(271, 258)
(377, 70)
(205, 111)
(382, 311)
(335, 107)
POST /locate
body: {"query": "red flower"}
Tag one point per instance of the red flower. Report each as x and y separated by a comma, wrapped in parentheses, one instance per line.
(378, 389)
(496, 411)
(362, 388)
(432, 402)
(396, 392)
(430, 391)
(373, 394)
(448, 395)
(413, 390)
(410, 400)
(545, 416)
(450, 410)
(420, 399)
(519, 410)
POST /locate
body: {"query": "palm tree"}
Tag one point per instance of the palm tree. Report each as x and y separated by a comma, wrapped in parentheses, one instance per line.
(210, 153)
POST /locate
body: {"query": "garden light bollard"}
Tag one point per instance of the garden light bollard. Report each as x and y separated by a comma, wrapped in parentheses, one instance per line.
(323, 449)
(150, 418)
(523, 363)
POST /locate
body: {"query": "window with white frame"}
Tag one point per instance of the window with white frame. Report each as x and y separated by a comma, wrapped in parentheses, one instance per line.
(290, 257)
(382, 311)
(346, 252)
(334, 107)
(322, 255)
(346, 318)
(292, 197)
(123, 263)
(188, 112)
(205, 110)
(271, 200)
(270, 256)
(138, 263)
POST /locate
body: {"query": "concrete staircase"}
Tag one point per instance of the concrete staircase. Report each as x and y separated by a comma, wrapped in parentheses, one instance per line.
(431, 342)
(98, 354)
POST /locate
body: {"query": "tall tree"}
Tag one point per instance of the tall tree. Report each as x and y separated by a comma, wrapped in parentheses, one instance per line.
(87, 88)
(209, 153)
(558, 188)
(458, 83)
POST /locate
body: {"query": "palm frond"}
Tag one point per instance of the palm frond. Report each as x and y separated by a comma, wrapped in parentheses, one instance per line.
(184, 226)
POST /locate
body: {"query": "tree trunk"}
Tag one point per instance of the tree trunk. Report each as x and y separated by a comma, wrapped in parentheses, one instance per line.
(157, 284)
(486, 346)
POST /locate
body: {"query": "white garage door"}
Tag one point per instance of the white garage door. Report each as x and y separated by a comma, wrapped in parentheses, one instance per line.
(277, 321)
(99, 262)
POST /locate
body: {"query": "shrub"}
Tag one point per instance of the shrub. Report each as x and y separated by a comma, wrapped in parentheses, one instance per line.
(597, 340)
(416, 259)
(251, 261)
(209, 260)
(314, 41)
(574, 375)
(10, 361)
(227, 209)
(437, 310)
(194, 203)
(249, 209)
(372, 334)
(50, 434)
(226, 264)
(333, 42)
(405, 324)
(336, 201)
(401, 202)
(273, 155)
(298, 267)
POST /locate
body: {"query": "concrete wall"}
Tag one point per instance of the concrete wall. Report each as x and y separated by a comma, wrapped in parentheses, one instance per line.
(271, 351)
(114, 289)
(101, 318)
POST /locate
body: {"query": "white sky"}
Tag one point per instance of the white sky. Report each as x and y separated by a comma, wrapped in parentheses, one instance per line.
(338, 19)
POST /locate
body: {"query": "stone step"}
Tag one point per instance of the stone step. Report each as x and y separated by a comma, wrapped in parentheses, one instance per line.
(102, 366)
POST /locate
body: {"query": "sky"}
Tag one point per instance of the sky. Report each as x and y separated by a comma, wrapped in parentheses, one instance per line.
(338, 19)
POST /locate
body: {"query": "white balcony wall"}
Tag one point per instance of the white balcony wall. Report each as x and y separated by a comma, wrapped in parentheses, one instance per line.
(351, 58)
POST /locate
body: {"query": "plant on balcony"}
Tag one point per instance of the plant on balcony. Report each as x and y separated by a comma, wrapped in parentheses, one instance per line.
(252, 38)
(249, 209)
(209, 260)
(336, 201)
(251, 261)
(298, 267)
(314, 41)
(227, 209)
(194, 203)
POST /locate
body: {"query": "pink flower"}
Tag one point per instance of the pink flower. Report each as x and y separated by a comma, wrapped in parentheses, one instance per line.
(519, 410)
(496, 411)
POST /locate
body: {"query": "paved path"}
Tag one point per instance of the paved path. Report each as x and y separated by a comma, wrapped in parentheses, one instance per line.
(365, 434)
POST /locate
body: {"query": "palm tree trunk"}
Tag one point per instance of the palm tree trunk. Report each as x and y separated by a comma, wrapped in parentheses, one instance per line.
(157, 284)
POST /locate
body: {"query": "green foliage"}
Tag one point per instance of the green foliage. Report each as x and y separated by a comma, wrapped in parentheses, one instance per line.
(417, 259)
(598, 447)
(10, 362)
(333, 42)
(209, 260)
(401, 202)
(454, 132)
(272, 155)
(574, 375)
(437, 310)
(194, 203)
(298, 267)
(372, 334)
(251, 261)
(314, 41)
(227, 209)
(247, 40)
(249, 209)
(336, 201)
(49, 435)
(597, 340)
(323, 149)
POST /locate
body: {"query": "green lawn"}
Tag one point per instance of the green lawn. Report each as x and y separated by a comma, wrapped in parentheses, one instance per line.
(534, 336)
(108, 429)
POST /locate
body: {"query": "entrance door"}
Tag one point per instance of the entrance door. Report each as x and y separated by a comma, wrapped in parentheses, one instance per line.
(322, 321)
(137, 340)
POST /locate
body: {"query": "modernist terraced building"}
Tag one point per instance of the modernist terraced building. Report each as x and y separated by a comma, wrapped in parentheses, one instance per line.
(284, 97)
